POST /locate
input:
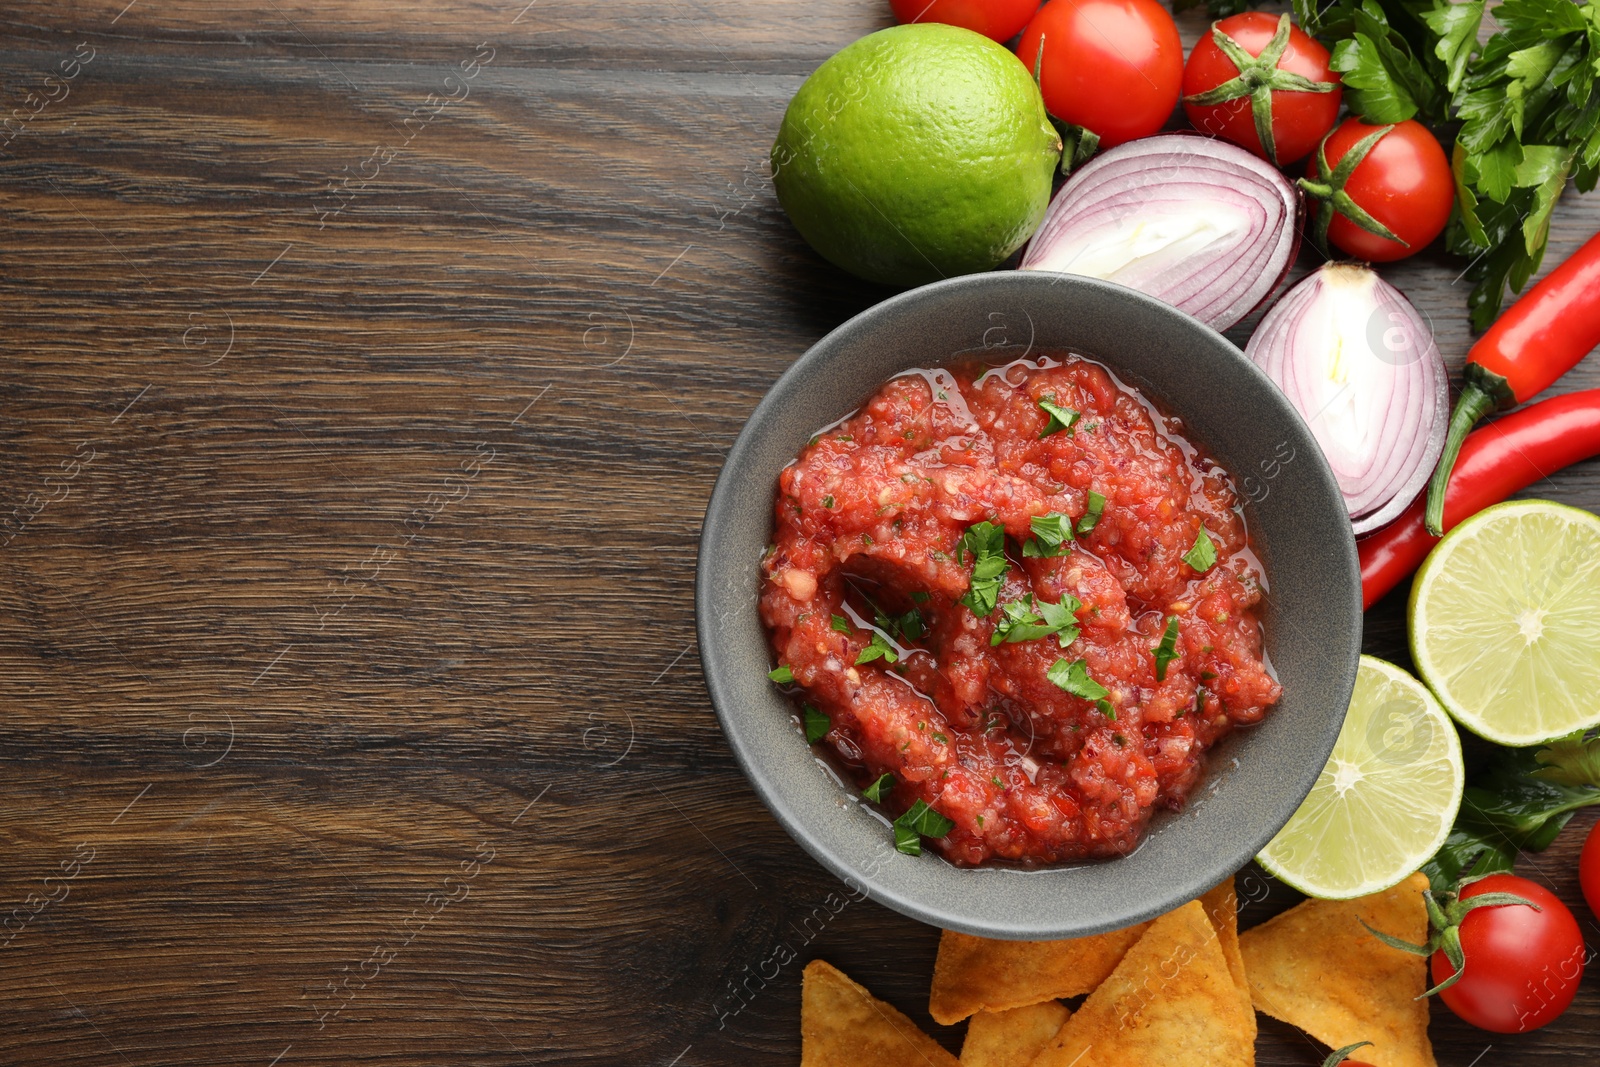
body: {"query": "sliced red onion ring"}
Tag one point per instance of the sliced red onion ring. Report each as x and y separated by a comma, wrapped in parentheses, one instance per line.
(1199, 223)
(1360, 365)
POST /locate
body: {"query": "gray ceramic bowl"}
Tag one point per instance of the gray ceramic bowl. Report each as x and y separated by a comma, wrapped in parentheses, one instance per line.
(1312, 616)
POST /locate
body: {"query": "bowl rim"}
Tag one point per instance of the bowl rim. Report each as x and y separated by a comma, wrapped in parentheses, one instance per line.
(772, 794)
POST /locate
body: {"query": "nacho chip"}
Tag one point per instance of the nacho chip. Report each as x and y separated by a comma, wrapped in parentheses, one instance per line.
(1171, 1002)
(1012, 1038)
(1317, 968)
(842, 1025)
(978, 974)
(1222, 908)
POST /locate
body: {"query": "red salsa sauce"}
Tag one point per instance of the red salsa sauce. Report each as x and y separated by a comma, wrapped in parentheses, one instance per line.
(1039, 749)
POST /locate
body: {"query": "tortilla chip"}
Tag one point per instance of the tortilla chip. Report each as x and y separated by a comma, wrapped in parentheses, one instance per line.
(842, 1025)
(978, 974)
(1171, 1002)
(1317, 968)
(1222, 908)
(1012, 1038)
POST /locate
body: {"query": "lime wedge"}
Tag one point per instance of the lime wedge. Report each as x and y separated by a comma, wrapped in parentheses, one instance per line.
(1385, 801)
(1505, 622)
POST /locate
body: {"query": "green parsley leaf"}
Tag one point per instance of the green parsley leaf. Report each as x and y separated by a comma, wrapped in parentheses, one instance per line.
(1202, 555)
(1074, 678)
(1570, 761)
(817, 724)
(1167, 650)
(1030, 619)
(781, 674)
(879, 789)
(841, 625)
(1457, 26)
(920, 597)
(1049, 534)
(1091, 514)
(911, 625)
(986, 543)
(877, 648)
(827, 501)
(1060, 418)
(918, 822)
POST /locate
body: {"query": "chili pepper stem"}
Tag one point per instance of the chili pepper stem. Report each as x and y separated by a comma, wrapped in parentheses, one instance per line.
(1481, 393)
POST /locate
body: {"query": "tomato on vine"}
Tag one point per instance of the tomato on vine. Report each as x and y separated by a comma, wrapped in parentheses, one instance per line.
(1111, 67)
(1385, 191)
(999, 20)
(1507, 955)
(1262, 83)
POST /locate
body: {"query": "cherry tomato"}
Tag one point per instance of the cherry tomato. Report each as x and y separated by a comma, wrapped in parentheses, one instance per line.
(999, 19)
(1404, 183)
(1111, 66)
(1300, 118)
(1589, 869)
(1522, 966)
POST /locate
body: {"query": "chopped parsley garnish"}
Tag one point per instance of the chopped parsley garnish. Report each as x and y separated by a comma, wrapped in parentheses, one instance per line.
(817, 724)
(1167, 650)
(1203, 555)
(1208, 675)
(781, 674)
(841, 625)
(943, 740)
(1091, 514)
(827, 501)
(918, 822)
(877, 648)
(1050, 532)
(1060, 418)
(995, 779)
(920, 597)
(1074, 678)
(909, 626)
(879, 789)
(986, 542)
(1019, 621)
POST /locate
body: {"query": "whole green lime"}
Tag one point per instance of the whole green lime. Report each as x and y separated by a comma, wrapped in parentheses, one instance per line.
(919, 152)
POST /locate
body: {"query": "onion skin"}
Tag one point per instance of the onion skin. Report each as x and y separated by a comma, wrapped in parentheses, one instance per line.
(1361, 367)
(1200, 223)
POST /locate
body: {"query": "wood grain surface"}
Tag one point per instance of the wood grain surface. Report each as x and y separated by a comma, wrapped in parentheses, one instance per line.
(367, 367)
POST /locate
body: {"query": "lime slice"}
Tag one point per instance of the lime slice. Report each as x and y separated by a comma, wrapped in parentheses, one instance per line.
(1505, 622)
(1385, 801)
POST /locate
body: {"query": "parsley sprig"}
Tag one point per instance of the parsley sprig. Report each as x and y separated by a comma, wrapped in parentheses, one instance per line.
(1526, 100)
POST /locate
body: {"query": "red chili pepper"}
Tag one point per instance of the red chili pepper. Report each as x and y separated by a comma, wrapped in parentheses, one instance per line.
(1497, 460)
(1543, 336)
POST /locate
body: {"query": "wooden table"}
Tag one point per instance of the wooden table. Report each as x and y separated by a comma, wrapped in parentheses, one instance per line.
(367, 369)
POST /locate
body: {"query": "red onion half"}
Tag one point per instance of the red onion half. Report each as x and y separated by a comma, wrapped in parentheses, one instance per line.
(1199, 223)
(1360, 365)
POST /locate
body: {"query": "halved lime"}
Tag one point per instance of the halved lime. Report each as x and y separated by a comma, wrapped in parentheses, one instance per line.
(1385, 801)
(1505, 622)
